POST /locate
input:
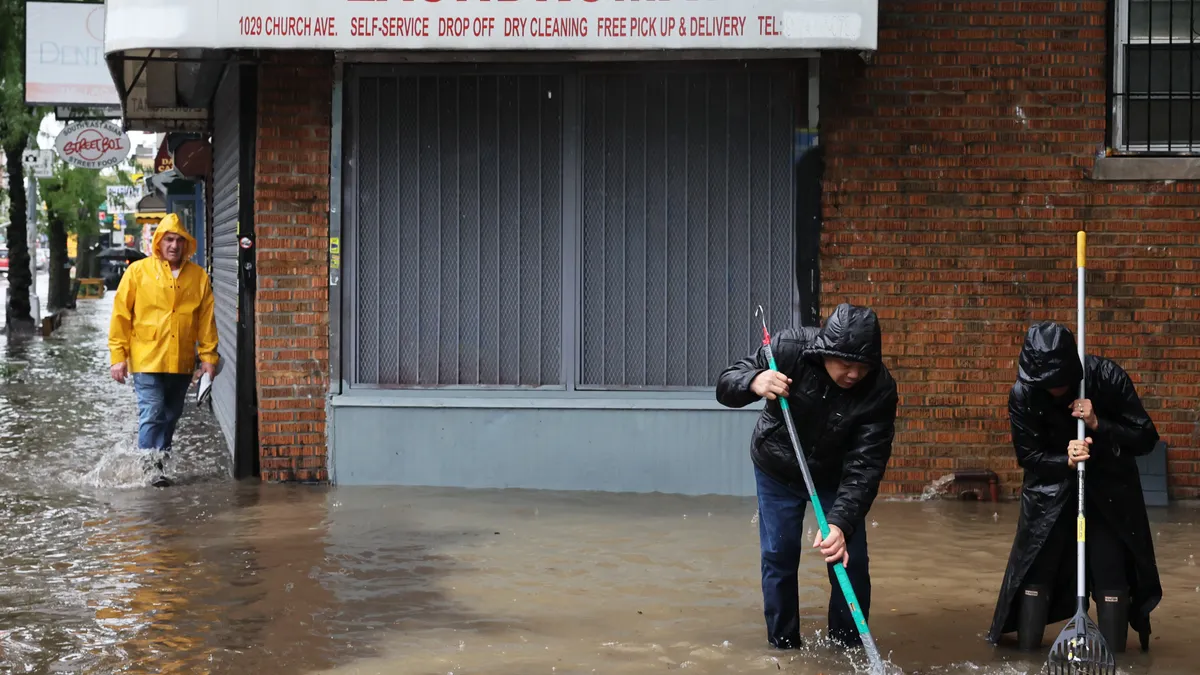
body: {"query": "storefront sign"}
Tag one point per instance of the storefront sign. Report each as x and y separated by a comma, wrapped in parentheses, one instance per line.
(492, 24)
(64, 55)
(92, 144)
(163, 162)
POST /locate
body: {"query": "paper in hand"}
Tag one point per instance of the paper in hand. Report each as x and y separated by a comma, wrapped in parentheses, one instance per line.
(204, 391)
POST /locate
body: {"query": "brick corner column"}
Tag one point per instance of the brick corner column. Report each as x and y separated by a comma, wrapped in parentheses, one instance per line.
(291, 191)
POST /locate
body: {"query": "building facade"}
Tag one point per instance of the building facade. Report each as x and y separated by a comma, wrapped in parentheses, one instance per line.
(483, 266)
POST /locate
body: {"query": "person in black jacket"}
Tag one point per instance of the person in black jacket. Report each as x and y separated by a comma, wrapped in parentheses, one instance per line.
(1043, 408)
(843, 401)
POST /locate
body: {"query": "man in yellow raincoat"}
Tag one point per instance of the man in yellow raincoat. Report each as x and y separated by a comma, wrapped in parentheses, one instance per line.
(162, 318)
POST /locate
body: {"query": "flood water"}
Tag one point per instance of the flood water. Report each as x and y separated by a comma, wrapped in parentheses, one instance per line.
(100, 574)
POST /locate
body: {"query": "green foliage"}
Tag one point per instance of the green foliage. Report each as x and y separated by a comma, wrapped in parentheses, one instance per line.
(18, 122)
(74, 196)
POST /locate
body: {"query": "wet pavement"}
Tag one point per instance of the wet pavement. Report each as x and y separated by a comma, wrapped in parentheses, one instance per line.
(100, 574)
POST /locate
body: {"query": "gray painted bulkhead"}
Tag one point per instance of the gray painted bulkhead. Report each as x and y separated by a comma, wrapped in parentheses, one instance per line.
(606, 449)
(566, 437)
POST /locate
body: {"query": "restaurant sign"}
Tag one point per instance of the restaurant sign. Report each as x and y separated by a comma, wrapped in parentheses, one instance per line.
(92, 144)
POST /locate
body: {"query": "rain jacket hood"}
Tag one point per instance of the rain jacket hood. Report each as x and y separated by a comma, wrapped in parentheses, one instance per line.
(171, 224)
(846, 434)
(851, 333)
(161, 322)
(1042, 427)
(1050, 358)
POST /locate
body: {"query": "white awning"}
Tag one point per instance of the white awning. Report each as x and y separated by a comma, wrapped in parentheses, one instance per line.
(485, 25)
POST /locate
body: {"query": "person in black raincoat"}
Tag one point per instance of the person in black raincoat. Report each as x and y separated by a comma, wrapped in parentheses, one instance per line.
(843, 401)
(1039, 585)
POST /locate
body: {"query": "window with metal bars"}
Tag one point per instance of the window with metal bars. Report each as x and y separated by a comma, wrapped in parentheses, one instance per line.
(1156, 83)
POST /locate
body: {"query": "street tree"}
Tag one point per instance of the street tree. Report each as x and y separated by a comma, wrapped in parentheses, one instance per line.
(18, 123)
(73, 198)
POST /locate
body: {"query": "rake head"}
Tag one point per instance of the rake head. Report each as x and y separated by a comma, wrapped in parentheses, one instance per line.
(1080, 650)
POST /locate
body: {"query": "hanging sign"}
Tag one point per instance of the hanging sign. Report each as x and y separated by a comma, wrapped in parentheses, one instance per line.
(163, 162)
(92, 144)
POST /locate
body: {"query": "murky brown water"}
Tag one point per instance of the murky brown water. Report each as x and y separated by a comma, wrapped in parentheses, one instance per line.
(100, 575)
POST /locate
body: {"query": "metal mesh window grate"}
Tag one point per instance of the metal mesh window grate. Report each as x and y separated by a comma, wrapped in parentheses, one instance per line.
(687, 223)
(459, 247)
(1157, 84)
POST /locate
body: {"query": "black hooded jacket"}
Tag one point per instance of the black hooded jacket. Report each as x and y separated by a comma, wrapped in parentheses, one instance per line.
(1042, 427)
(846, 433)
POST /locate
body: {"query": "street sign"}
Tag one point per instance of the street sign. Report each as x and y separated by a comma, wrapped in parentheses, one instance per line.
(38, 163)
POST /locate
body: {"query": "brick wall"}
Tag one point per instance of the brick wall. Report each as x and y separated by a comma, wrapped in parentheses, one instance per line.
(291, 186)
(958, 166)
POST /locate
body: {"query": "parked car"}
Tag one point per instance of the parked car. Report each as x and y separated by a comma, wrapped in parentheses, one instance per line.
(4, 262)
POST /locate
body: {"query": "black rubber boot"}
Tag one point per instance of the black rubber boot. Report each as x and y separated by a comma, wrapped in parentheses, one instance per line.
(1112, 616)
(1034, 607)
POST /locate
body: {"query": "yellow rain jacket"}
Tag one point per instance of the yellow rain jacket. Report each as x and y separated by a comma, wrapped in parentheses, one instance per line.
(159, 323)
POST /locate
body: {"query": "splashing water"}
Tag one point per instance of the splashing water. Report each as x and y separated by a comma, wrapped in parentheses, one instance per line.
(119, 468)
(937, 488)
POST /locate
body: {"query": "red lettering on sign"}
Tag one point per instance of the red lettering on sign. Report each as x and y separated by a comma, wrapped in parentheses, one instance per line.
(768, 25)
(91, 145)
(296, 26)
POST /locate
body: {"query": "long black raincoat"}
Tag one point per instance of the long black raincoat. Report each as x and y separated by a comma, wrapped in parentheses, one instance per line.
(1042, 427)
(846, 433)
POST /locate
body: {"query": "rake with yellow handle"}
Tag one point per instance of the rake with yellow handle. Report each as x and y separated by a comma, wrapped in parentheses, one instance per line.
(1080, 648)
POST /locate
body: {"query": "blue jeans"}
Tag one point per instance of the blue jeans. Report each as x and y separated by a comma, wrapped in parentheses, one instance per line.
(160, 398)
(781, 539)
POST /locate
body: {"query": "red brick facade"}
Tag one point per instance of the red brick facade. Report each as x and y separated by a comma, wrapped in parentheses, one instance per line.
(958, 171)
(291, 188)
